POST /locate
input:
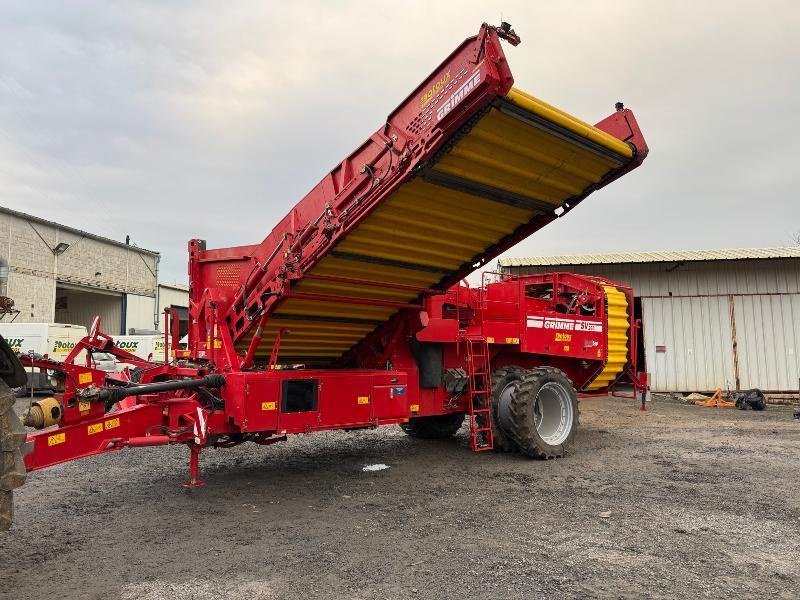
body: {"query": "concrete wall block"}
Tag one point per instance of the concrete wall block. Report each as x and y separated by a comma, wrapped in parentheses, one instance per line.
(88, 262)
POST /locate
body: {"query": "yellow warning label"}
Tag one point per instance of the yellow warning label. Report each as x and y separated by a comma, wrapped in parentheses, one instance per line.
(95, 428)
(84, 378)
(363, 399)
(84, 405)
(490, 340)
(512, 340)
(414, 408)
(56, 439)
(267, 406)
(112, 423)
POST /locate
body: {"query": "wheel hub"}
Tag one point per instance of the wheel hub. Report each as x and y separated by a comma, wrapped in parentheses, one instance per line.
(553, 414)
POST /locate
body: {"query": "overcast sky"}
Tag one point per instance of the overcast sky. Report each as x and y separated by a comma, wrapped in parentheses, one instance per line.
(168, 121)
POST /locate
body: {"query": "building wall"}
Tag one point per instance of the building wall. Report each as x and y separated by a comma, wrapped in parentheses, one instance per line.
(695, 278)
(30, 263)
(170, 296)
(711, 324)
(140, 312)
(93, 264)
(768, 336)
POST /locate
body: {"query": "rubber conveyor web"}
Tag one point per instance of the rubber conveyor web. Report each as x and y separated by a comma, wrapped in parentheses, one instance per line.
(522, 158)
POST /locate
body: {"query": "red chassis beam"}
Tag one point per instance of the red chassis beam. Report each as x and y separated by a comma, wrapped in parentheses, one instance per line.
(128, 427)
(95, 412)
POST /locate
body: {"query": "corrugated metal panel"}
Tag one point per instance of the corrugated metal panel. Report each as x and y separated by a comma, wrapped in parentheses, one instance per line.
(692, 279)
(768, 336)
(696, 335)
(651, 257)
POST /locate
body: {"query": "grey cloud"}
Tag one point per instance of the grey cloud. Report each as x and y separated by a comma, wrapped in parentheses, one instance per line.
(196, 119)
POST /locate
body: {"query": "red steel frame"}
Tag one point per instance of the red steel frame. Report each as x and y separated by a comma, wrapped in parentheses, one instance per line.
(245, 403)
(259, 277)
(247, 407)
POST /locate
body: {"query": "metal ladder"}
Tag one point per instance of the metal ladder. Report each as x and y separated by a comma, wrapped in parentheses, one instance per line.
(479, 394)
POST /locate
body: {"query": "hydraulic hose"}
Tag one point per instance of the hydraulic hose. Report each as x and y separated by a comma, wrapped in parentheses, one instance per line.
(118, 393)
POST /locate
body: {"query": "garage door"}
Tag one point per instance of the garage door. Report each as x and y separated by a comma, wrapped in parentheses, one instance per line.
(688, 343)
(768, 336)
(79, 306)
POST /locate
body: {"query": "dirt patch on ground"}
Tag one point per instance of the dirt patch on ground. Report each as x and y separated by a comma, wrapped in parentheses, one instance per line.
(679, 501)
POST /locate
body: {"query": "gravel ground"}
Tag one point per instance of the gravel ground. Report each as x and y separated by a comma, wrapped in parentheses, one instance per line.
(679, 501)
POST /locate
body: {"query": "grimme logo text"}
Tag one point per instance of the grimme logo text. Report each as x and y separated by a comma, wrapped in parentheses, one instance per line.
(458, 95)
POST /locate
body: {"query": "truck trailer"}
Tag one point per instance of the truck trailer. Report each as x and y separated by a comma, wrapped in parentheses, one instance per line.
(353, 312)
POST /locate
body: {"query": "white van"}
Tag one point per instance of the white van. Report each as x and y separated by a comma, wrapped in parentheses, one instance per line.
(148, 347)
(51, 340)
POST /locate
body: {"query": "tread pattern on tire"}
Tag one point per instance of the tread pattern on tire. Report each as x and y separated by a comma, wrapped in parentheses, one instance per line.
(12, 467)
(522, 401)
(502, 441)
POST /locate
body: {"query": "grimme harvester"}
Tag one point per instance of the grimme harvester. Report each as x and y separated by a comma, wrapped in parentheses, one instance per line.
(350, 313)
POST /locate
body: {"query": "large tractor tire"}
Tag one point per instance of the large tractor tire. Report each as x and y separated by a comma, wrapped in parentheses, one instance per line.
(438, 427)
(503, 380)
(12, 433)
(538, 412)
(12, 467)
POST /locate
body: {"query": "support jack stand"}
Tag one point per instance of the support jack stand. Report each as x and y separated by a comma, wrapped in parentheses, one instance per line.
(194, 468)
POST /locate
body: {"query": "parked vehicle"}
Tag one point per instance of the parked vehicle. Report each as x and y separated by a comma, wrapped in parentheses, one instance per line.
(147, 347)
(104, 361)
(49, 340)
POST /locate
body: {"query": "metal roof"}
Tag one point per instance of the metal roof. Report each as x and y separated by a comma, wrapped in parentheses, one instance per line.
(669, 256)
(79, 232)
(181, 287)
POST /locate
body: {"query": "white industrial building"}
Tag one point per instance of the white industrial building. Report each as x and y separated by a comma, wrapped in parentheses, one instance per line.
(59, 274)
(714, 318)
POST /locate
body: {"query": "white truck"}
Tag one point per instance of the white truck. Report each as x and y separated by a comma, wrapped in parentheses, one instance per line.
(53, 340)
(148, 347)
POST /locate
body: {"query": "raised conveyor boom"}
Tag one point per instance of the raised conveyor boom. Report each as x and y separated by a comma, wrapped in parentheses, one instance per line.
(466, 167)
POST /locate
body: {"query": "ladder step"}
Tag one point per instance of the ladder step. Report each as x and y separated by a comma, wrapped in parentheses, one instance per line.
(479, 390)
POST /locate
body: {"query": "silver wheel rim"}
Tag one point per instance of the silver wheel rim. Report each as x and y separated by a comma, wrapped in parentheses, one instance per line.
(553, 414)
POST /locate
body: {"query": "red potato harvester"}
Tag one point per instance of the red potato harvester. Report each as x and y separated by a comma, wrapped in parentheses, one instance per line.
(350, 314)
